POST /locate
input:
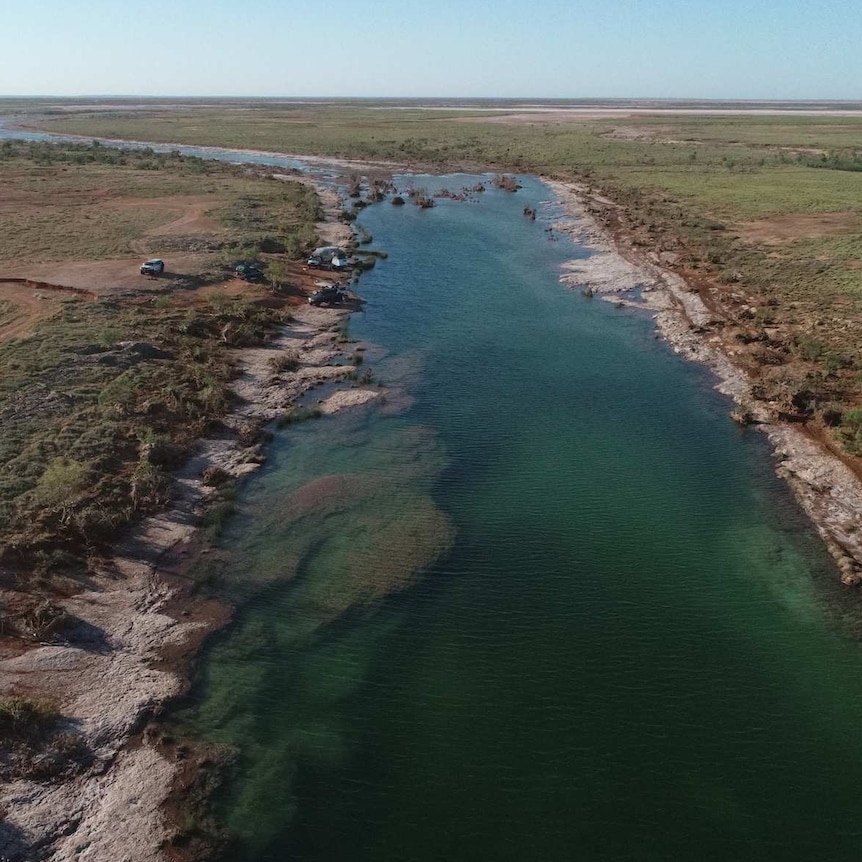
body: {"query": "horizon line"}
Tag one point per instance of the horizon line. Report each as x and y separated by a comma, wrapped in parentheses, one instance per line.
(569, 99)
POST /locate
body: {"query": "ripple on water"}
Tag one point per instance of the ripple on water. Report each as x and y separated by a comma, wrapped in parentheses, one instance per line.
(620, 655)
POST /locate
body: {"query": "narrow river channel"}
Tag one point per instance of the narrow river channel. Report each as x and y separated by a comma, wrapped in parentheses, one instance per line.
(547, 602)
(553, 605)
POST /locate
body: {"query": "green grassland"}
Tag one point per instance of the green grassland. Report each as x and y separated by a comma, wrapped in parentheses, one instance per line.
(76, 201)
(686, 186)
(733, 168)
(102, 399)
(444, 137)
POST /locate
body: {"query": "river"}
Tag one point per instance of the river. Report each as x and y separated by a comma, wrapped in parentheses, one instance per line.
(545, 601)
(552, 604)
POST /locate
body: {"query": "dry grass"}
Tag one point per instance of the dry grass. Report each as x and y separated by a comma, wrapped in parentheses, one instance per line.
(100, 400)
(48, 233)
(80, 202)
(684, 186)
(9, 312)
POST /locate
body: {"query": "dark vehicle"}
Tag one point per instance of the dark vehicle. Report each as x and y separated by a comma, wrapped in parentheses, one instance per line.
(249, 272)
(156, 266)
(328, 295)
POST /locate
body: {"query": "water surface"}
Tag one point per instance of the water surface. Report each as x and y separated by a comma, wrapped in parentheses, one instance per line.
(557, 608)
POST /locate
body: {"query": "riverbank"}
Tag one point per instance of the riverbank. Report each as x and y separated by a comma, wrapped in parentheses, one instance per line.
(765, 208)
(146, 626)
(827, 488)
(253, 156)
(125, 675)
(627, 576)
(130, 633)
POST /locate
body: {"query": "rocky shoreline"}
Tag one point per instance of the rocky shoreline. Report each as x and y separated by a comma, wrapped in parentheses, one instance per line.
(137, 625)
(828, 490)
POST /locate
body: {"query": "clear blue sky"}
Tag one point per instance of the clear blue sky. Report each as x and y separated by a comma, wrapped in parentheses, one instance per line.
(604, 48)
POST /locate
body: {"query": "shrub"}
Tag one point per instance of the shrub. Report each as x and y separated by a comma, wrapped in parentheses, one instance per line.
(853, 419)
(150, 486)
(40, 619)
(61, 482)
(288, 361)
(299, 414)
(506, 182)
(215, 477)
(851, 430)
(24, 718)
(811, 349)
(216, 516)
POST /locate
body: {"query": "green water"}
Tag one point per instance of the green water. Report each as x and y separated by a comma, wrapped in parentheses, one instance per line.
(554, 606)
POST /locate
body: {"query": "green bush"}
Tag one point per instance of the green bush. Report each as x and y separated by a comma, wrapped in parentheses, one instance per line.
(61, 483)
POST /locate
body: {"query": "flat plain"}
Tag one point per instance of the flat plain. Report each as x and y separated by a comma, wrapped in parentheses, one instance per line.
(757, 206)
(108, 376)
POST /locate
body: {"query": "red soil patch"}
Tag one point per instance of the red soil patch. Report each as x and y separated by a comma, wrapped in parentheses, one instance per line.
(786, 228)
(185, 214)
(32, 302)
(107, 277)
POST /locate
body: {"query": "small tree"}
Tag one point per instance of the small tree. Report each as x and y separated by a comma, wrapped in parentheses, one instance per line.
(278, 274)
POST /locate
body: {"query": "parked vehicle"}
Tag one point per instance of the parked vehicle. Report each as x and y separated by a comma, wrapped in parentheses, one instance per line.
(328, 295)
(327, 257)
(249, 271)
(156, 266)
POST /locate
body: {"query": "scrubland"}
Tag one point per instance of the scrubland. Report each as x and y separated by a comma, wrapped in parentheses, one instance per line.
(762, 214)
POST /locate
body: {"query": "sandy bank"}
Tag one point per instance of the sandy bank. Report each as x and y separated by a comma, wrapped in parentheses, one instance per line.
(826, 488)
(135, 624)
(316, 163)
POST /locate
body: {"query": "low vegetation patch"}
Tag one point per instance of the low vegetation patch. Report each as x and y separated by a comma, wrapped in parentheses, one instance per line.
(287, 361)
(75, 201)
(682, 186)
(93, 427)
(103, 399)
(33, 743)
(299, 414)
(217, 511)
(22, 718)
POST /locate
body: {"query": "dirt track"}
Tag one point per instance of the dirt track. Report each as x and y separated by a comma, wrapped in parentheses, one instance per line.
(108, 277)
(786, 228)
(185, 216)
(191, 220)
(32, 303)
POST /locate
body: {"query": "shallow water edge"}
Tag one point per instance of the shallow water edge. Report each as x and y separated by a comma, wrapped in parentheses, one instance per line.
(828, 492)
